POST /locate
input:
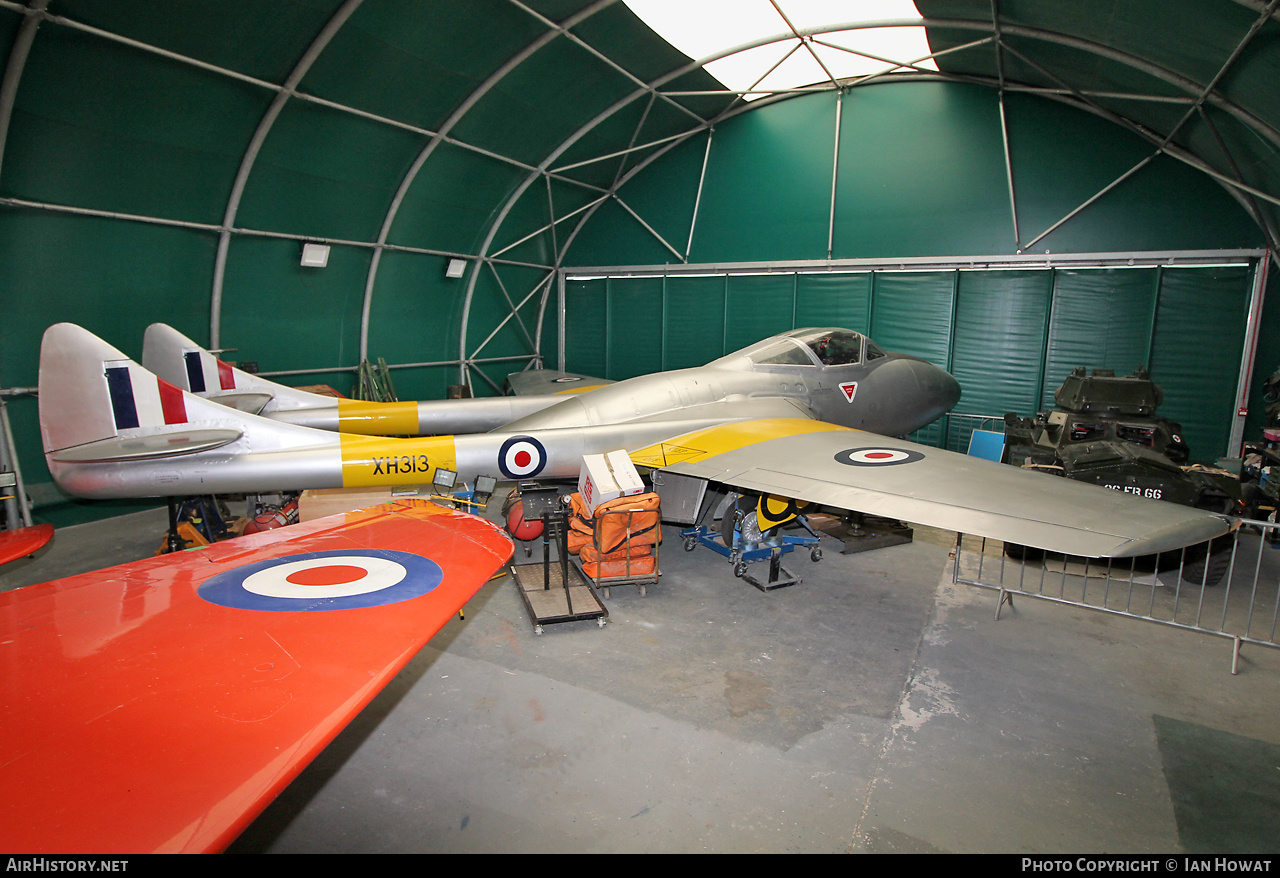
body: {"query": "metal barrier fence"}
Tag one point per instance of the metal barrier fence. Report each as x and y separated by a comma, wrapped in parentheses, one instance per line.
(1227, 589)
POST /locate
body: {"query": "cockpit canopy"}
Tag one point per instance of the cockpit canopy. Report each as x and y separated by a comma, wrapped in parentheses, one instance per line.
(813, 347)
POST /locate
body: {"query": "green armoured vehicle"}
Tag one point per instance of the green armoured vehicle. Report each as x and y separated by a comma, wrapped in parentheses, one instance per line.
(1104, 430)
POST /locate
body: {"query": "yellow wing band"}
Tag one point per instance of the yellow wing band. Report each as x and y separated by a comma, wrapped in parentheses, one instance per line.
(726, 437)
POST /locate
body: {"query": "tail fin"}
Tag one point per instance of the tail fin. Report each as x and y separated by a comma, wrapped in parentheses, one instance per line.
(112, 429)
(96, 404)
(183, 363)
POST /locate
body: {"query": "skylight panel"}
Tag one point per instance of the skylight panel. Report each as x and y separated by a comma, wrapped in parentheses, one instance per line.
(706, 28)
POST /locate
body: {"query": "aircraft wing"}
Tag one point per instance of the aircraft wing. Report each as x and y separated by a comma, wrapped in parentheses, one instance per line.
(23, 541)
(159, 706)
(536, 382)
(865, 472)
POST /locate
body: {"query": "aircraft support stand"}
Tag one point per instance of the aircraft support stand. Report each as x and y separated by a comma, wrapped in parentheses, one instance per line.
(556, 592)
(779, 576)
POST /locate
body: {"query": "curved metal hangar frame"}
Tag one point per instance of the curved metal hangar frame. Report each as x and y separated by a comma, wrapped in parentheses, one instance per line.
(492, 132)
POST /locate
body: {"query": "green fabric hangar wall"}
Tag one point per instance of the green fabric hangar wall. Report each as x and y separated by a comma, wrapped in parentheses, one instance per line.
(920, 172)
(128, 135)
(1009, 336)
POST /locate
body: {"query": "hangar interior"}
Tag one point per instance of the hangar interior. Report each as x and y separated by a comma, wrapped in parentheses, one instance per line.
(504, 185)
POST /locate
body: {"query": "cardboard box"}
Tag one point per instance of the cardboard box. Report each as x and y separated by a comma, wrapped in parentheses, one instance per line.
(606, 477)
(319, 502)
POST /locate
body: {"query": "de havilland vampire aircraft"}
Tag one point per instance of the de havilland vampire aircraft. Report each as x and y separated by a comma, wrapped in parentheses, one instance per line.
(808, 415)
(159, 705)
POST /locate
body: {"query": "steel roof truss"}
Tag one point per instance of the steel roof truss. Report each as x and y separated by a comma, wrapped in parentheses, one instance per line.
(650, 229)
(568, 34)
(524, 330)
(1222, 71)
(551, 225)
(507, 319)
(807, 43)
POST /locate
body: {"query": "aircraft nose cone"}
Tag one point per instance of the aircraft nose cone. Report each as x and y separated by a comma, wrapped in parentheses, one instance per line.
(938, 388)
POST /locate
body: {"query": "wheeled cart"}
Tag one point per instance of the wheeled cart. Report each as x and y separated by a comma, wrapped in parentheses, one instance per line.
(742, 554)
(555, 590)
(629, 560)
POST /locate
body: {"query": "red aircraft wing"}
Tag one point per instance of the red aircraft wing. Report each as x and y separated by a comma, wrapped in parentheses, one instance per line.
(23, 541)
(159, 706)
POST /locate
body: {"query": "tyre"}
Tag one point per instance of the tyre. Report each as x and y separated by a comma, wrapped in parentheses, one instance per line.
(1019, 552)
(1207, 564)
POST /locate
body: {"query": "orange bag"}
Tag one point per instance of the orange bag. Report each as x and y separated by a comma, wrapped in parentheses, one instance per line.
(633, 567)
(581, 527)
(616, 531)
(590, 554)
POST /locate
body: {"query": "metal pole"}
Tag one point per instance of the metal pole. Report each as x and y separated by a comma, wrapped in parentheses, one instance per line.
(835, 170)
(1008, 170)
(560, 305)
(1248, 355)
(17, 63)
(697, 199)
(20, 487)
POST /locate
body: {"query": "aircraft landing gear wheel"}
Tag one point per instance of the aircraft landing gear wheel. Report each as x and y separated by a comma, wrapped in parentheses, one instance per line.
(740, 569)
(815, 554)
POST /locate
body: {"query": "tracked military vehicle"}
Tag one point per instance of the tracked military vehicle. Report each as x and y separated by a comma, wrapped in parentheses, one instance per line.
(1105, 431)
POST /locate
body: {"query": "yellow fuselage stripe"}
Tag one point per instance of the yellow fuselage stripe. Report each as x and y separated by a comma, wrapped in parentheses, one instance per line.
(371, 460)
(580, 389)
(378, 418)
(726, 437)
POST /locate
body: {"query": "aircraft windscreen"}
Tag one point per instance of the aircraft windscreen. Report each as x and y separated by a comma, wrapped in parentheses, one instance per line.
(836, 347)
(779, 352)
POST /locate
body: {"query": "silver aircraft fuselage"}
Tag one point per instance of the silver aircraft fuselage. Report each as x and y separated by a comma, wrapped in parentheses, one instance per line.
(831, 375)
(794, 416)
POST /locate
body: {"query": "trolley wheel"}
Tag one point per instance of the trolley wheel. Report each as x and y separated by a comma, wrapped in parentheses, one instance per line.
(643, 592)
(537, 629)
(605, 592)
(740, 569)
(600, 621)
(815, 554)
(690, 543)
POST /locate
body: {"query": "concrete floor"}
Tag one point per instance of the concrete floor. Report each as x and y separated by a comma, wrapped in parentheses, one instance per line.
(875, 707)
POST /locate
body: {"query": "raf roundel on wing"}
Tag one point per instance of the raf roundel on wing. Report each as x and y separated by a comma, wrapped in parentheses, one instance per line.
(334, 580)
(877, 456)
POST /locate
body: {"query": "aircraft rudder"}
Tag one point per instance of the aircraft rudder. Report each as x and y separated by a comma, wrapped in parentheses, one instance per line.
(74, 396)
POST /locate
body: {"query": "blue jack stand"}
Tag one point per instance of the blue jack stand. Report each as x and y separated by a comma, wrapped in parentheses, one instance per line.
(742, 553)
